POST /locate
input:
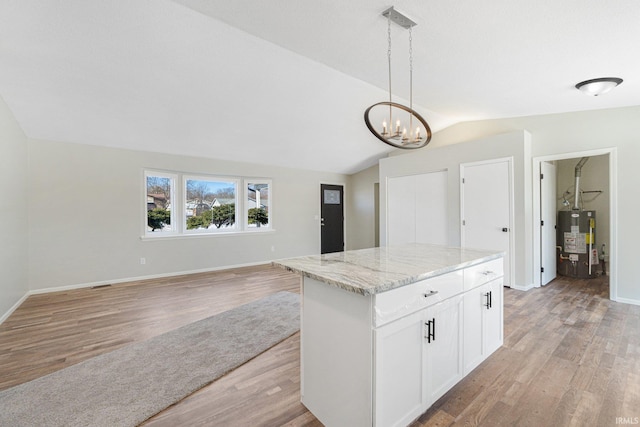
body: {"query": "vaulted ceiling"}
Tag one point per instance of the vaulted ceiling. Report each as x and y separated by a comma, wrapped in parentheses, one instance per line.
(286, 82)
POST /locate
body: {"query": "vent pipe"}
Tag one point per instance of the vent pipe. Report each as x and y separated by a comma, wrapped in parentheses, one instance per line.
(581, 163)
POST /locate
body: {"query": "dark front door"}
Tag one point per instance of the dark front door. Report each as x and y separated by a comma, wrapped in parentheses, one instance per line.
(332, 218)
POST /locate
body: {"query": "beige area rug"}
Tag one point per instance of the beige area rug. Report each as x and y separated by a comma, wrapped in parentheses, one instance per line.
(131, 384)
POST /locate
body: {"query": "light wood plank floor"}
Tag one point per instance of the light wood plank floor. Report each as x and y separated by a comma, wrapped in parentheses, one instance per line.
(570, 356)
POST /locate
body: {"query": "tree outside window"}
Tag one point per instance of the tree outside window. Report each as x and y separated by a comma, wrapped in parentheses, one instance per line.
(210, 204)
(159, 198)
(258, 202)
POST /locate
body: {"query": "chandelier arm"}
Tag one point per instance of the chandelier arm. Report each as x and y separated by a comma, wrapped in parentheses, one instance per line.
(390, 141)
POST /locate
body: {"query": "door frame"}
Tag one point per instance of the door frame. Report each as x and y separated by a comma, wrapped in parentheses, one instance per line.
(613, 212)
(555, 206)
(344, 211)
(512, 223)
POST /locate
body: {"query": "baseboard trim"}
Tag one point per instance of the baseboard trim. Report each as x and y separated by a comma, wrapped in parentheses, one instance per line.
(6, 315)
(628, 301)
(138, 278)
(523, 288)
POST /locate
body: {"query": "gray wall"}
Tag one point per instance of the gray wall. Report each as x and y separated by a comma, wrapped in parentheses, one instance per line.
(14, 205)
(87, 216)
(361, 209)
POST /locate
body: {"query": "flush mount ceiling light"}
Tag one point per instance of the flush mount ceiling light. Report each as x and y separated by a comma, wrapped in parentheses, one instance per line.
(598, 86)
(419, 133)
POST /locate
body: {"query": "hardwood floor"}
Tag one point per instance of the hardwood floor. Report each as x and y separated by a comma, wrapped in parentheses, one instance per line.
(570, 356)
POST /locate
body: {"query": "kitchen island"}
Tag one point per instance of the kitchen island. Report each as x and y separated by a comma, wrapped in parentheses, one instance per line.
(386, 331)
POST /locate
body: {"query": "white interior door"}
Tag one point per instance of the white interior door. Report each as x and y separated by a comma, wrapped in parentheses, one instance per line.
(431, 208)
(401, 210)
(417, 209)
(486, 205)
(548, 210)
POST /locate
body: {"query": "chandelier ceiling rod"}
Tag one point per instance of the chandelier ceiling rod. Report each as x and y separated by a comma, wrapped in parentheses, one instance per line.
(396, 138)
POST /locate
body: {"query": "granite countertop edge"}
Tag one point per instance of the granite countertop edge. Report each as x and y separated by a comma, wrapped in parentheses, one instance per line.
(368, 289)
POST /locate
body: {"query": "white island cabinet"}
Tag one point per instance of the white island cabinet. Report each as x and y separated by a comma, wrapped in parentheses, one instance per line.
(385, 332)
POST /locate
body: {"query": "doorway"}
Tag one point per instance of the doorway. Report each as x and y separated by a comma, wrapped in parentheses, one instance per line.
(598, 190)
(331, 218)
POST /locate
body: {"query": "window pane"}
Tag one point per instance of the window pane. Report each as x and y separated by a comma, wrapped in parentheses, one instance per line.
(210, 204)
(159, 199)
(258, 204)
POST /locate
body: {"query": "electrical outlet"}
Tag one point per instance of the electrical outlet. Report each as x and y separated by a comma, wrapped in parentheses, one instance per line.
(273, 248)
(143, 261)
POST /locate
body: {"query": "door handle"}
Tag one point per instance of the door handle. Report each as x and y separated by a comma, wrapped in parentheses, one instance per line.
(430, 331)
(489, 302)
(505, 230)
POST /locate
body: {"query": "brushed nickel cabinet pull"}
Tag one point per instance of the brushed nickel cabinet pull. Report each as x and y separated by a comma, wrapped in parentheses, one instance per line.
(430, 294)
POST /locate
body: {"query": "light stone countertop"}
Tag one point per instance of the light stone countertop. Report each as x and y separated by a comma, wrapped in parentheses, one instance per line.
(375, 270)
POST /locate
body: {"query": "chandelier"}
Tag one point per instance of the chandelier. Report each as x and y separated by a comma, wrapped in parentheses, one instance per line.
(396, 134)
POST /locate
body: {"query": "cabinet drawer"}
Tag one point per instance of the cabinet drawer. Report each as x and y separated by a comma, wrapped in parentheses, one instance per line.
(483, 273)
(399, 302)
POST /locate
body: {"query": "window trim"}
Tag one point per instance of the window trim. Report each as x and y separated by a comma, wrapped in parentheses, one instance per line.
(211, 178)
(178, 211)
(175, 215)
(245, 208)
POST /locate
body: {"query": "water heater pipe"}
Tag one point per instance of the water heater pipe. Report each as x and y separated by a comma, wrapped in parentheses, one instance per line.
(590, 243)
(581, 163)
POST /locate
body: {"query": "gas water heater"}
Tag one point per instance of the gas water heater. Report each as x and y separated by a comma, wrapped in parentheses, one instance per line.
(576, 237)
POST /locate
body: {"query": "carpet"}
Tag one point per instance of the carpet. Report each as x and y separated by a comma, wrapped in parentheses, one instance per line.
(129, 385)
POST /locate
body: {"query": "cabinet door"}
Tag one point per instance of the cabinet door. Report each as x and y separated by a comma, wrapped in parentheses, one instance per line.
(482, 330)
(443, 347)
(399, 371)
(492, 322)
(472, 342)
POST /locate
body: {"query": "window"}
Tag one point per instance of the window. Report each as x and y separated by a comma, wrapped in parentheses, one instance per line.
(257, 204)
(181, 204)
(160, 216)
(210, 204)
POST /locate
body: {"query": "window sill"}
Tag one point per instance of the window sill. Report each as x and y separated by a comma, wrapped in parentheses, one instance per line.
(150, 238)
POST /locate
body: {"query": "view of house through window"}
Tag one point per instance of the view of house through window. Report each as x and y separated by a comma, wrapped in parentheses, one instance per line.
(180, 204)
(160, 216)
(257, 204)
(210, 204)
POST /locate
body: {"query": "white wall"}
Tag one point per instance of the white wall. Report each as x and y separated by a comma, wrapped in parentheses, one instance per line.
(360, 209)
(14, 206)
(559, 134)
(87, 215)
(448, 157)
